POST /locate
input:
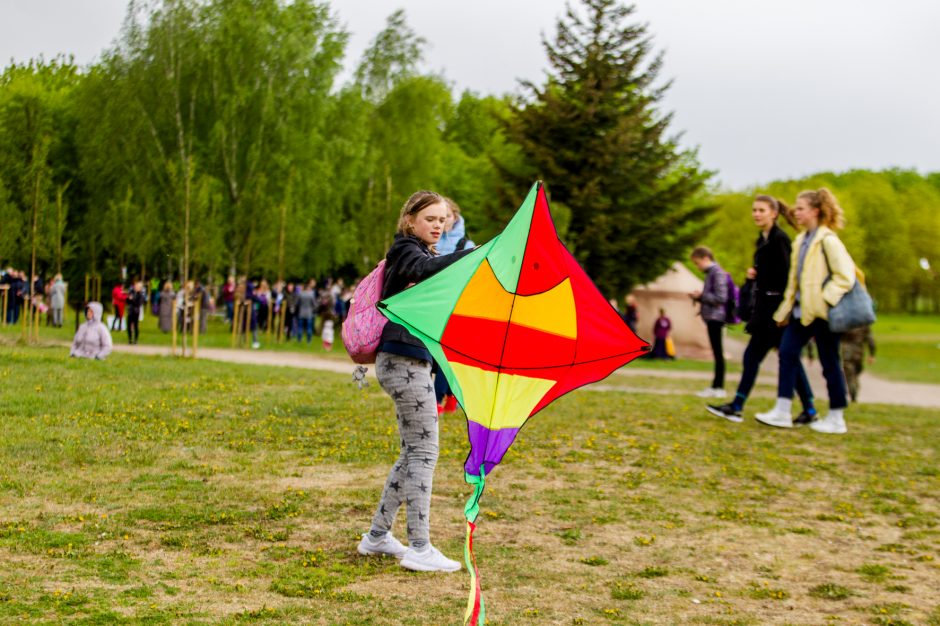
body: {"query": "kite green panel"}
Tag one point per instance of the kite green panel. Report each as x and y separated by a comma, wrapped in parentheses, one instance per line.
(429, 311)
(506, 259)
(434, 347)
(438, 353)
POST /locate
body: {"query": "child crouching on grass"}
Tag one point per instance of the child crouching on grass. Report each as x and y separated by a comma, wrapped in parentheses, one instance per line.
(92, 340)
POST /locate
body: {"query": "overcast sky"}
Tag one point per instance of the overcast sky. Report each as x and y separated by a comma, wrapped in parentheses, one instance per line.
(765, 89)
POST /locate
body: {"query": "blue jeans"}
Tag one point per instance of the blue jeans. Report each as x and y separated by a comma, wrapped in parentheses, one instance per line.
(306, 327)
(795, 336)
(760, 344)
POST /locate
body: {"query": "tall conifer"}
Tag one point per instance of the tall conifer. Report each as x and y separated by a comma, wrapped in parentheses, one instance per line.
(596, 136)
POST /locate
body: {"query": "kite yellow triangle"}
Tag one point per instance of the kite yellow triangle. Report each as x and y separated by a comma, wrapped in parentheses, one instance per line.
(550, 312)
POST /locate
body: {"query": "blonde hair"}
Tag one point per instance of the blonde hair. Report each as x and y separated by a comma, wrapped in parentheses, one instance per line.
(453, 206)
(830, 213)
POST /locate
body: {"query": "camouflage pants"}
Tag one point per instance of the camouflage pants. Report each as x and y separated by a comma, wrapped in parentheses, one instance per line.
(852, 365)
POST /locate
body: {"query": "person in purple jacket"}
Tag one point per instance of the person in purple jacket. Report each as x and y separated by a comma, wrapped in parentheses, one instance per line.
(713, 297)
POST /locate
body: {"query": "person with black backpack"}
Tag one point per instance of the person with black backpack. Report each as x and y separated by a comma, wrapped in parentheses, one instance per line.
(714, 300)
(759, 298)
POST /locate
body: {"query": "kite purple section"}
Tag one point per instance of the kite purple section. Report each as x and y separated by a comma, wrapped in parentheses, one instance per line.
(487, 446)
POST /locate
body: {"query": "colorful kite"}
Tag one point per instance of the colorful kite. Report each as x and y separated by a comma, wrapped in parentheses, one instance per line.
(513, 325)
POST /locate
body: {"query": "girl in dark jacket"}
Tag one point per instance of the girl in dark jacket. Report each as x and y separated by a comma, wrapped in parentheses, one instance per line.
(769, 278)
(403, 368)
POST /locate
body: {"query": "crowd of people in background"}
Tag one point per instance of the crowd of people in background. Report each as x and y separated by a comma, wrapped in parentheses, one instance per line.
(48, 296)
(297, 309)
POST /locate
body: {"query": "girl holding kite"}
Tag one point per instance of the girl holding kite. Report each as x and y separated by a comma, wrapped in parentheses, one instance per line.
(403, 368)
(821, 272)
(768, 277)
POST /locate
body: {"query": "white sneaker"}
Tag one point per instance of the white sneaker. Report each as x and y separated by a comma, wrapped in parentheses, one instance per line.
(255, 345)
(428, 560)
(387, 545)
(712, 392)
(831, 425)
(777, 418)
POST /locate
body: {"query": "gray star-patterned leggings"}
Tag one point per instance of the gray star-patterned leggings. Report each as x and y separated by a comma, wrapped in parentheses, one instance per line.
(408, 382)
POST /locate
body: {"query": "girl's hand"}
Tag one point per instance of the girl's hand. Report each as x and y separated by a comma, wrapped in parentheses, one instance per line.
(751, 273)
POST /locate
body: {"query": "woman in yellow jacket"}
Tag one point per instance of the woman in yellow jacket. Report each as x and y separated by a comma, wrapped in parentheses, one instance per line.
(821, 272)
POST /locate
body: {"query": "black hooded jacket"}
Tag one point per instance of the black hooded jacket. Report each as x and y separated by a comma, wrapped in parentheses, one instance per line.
(772, 262)
(409, 261)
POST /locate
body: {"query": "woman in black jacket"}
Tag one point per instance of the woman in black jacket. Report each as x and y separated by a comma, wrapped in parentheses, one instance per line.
(769, 280)
(403, 367)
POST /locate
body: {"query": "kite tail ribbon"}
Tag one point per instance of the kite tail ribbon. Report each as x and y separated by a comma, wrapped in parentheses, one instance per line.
(476, 612)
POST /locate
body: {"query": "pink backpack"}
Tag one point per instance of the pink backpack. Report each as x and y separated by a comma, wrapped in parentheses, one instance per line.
(363, 326)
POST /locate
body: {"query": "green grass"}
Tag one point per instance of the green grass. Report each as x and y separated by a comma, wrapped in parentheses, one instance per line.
(908, 348)
(161, 491)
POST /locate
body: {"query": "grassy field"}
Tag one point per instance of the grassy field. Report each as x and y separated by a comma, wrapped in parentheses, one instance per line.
(908, 348)
(153, 491)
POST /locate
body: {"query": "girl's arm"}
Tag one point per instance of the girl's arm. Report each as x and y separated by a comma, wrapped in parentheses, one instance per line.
(414, 266)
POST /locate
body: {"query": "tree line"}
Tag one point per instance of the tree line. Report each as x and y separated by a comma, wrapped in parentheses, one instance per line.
(215, 137)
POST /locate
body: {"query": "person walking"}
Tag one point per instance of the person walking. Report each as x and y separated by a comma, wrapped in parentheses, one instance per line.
(306, 307)
(403, 368)
(228, 297)
(291, 293)
(631, 314)
(661, 328)
(713, 299)
(853, 344)
(57, 300)
(118, 301)
(136, 300)
(167, 303)
(768, 280)
(821, 272)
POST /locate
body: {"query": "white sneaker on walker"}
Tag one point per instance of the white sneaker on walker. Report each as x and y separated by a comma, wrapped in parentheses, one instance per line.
(776, 417)
(833, 425)
(712, 392)
(386, 545)
(428, 560)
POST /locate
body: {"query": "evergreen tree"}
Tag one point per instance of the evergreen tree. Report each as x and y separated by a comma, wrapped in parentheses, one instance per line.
(594, 133)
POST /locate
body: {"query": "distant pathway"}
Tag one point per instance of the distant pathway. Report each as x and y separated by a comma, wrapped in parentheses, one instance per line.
(873, 389)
